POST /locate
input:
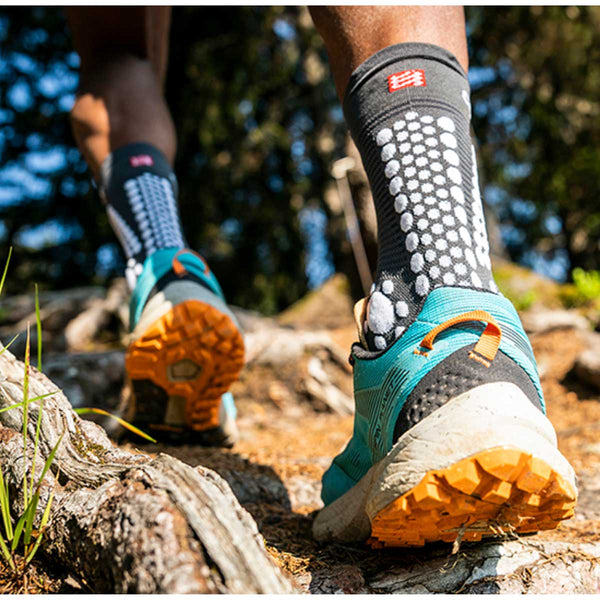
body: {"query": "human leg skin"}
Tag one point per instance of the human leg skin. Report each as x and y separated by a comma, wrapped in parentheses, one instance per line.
(354, 33)
(451, 439)
(185, 345)
(123, 54)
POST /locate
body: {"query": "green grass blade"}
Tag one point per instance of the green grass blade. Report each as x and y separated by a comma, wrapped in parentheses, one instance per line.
(49, 460)
(99, 411)
(5, 269)
(35, 445)
(6, 553)
(29, 518)
(19, 529)
(35, 399)
(5, 505)
(25, 407)
(38, 322)
(29, 512)
(43, 524)
(9, 344)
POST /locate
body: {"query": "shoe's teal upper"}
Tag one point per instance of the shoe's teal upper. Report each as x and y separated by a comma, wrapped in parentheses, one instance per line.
(156, 266)
(382, 384)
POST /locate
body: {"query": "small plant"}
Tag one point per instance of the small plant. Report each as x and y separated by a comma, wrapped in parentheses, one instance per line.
(587, 283)
(122, 422)
(23, 532)
(22, 537)
(584, 291)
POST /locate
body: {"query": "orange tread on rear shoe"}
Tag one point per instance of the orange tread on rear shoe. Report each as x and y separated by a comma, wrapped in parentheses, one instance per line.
(494, 491)
(194, 352)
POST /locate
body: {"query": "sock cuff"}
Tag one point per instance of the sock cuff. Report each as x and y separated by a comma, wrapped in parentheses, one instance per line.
(131, 161)
(425, 73)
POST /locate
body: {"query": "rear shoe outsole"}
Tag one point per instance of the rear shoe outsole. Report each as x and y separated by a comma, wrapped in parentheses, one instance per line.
(498, 491)
(192, 354)
(484, 463)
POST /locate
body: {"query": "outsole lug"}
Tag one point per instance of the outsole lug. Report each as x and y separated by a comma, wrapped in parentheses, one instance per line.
(193, 351)
(495, 491)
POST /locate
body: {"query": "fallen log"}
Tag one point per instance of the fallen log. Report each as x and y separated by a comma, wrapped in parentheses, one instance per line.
(123, 521)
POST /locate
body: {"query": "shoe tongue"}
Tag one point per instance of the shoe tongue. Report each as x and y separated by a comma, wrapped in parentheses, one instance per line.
(360, 314)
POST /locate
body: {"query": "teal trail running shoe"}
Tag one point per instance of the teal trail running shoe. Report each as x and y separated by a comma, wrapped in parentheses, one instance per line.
(450, 434)
(185, 351)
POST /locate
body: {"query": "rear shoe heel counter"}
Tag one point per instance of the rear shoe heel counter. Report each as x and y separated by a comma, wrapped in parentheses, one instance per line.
(454, 376)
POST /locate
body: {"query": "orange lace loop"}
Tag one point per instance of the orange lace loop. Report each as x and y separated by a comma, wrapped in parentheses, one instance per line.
(179, 269)
(487, 346)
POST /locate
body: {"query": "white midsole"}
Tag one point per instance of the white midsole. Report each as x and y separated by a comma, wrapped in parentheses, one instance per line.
(489, 416)
(173, 294)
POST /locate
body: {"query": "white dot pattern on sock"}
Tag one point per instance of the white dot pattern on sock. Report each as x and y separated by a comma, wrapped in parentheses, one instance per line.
(482, 248)
(153, 205)
(130, 242)
(443, 230)
(380, 313)
(401, 308)
(380, 342)
(387, 286)
(414, 218)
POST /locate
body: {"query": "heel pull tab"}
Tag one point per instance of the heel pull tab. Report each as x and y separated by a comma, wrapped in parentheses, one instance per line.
(487, 346)
(178, 267)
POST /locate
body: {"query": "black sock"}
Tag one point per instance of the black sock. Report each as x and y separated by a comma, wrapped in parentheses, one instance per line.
(140, 192)
(408, 110)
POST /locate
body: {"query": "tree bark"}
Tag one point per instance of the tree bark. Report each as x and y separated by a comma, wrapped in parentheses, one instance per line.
(123, 521)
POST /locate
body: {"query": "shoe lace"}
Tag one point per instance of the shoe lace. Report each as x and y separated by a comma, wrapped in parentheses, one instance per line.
(486, 347)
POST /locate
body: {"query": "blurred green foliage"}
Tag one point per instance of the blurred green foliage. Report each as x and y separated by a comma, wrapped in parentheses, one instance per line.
(587, 283)
(537, 119)
(252, 97)
(259, 125)
(584, 291)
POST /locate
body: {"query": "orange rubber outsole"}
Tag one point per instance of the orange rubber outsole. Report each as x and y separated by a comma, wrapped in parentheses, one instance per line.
(194, 352)
(496, 491)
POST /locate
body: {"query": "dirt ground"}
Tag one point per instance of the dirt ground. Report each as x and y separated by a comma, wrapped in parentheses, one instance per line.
(288, 440)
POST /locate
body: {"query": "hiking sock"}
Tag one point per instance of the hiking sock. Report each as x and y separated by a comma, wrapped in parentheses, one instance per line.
(408, 110)
(139, 189)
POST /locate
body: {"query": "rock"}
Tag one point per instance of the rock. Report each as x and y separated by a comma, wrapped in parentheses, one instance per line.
(543, 320)
(83, 329)
(525, 287)
(587, 367)
(588, 482)
(326, 307)
(320, 388)
(88, 379)
(344, 579)
(587, 364)
(509, 567)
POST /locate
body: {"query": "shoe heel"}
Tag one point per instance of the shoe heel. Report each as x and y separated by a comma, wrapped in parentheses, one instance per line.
(498, 471)
(192, 353)
(483, 464)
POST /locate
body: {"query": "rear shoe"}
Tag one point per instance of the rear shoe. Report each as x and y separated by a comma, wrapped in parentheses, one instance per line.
(450, 435)
(185, 351)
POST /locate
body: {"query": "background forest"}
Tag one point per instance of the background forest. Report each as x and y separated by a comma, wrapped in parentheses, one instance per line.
(259, 127)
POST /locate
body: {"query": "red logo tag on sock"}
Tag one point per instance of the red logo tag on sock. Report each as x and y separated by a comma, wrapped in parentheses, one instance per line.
(404, 79)
(143, 160)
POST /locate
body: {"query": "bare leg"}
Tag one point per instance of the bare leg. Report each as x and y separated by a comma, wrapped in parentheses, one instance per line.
(123, 63)
(354, 33)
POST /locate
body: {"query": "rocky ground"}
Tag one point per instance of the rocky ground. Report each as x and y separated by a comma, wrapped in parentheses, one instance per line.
(295, 414)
